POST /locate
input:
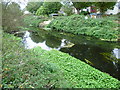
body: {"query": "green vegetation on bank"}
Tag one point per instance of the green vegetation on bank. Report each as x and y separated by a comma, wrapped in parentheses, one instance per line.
(31, 20)
(37, 68)
(28, 68)
(103, 28)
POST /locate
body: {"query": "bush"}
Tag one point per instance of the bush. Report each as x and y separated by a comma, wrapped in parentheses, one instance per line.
(33, 20)
(103, 28)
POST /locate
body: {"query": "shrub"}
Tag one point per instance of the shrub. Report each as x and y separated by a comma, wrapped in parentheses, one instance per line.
(33, 20)
(103, 28)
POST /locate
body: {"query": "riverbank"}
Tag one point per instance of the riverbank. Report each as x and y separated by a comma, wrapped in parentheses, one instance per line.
(34, 21)
(103, 28)
(37, 68)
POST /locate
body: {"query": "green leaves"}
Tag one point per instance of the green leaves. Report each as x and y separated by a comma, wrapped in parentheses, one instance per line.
(28, 68)
(33, 6)
(102, 28)
(37, 68)
(33, 21)
(103, 6)
(48, 8)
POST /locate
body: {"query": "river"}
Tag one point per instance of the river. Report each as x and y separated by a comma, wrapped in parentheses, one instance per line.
(102, 55)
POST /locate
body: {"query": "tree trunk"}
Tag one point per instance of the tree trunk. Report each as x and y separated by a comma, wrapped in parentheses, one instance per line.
(78, 10)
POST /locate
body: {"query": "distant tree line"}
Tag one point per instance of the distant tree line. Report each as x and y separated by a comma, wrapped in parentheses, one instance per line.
(46, 8)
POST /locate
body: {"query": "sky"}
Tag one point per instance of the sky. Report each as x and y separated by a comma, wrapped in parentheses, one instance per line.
(22, 3)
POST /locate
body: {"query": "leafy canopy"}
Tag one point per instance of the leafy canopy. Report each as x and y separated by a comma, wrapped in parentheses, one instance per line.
(81, 5)
(33, 6)
(103, 6)
(48, 8)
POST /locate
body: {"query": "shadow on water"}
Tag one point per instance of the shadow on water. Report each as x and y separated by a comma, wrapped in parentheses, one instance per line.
(102, 55)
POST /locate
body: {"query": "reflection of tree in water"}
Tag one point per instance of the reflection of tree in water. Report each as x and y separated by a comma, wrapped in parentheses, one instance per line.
(53, 42)
(37, 38)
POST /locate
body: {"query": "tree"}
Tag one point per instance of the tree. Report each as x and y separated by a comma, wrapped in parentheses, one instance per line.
(103, 6)
(42, 11)
(68, 10)
(48, 8)
(33, 6)
(81, 5)
(11, 16)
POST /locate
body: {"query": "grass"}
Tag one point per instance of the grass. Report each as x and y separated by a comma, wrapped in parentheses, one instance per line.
(37, 68)
(103, 28)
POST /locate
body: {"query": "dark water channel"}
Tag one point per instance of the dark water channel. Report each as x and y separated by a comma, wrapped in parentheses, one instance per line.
(102, 55)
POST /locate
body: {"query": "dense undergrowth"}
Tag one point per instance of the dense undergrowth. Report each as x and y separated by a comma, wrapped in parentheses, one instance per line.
(26, 23)
(103, 28)
(34, 21)
(31, 21)
(37, 68)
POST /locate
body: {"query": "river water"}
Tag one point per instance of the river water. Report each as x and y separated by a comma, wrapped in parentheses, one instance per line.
(101, 55)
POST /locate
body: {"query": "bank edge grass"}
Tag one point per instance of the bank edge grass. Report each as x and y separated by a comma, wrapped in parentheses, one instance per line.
(26, 68)
(37, 68)
(104, 28)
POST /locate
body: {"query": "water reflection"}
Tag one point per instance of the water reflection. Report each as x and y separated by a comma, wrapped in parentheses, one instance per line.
(52, 41)
(116, 52)
(29, 43)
